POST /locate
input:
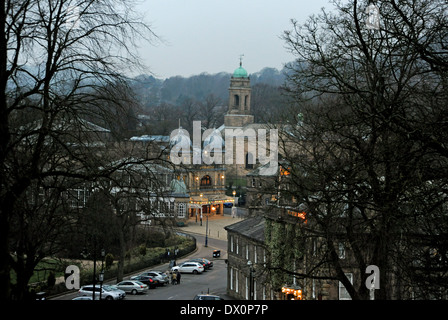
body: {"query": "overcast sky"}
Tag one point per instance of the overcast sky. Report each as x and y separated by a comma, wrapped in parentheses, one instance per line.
(210, 35)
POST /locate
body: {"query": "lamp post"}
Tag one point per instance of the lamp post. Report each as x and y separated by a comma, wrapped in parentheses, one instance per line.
(235, 202)
(101, 276)
(94, 269)
(206, 232)
(251, 280)
(201, 207)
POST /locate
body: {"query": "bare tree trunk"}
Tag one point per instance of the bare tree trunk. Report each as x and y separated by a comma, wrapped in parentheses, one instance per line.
(122, 254)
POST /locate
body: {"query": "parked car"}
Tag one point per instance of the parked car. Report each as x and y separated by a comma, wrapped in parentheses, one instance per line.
(205, 262)
(114, 288)
(106, 293)
(207, 297)
(132, 286)
(148, 280)
(189, 267)
(160, 276)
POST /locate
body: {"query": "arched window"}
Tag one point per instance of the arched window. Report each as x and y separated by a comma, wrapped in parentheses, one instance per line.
(236, 99)
(249, 161)
(206, 181)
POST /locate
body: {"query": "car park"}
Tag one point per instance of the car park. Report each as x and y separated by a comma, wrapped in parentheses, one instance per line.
(148, 280)
(160, 276)
(106, 293)
(189, 267)
(132, 286)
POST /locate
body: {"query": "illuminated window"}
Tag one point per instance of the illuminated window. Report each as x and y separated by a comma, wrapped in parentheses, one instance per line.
(284, 171)
(206, 181)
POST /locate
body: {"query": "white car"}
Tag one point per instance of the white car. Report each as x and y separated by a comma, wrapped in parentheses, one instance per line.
(189, 267)
(132, 286)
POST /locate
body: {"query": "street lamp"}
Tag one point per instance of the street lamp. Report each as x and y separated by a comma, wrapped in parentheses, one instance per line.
(251, 280)
(201, 207)
(206, 230)
(101, 276)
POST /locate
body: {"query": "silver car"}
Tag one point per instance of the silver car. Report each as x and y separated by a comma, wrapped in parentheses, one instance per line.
(132, 286)
(114, 288)
(160, 276)
(105, 293)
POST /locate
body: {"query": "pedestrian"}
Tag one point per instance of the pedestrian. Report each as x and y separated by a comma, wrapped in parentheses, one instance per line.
(167, 273)
(178, 277)
(173, 277)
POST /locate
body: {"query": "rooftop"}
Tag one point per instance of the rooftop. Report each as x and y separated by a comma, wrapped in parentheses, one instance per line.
(252, 228)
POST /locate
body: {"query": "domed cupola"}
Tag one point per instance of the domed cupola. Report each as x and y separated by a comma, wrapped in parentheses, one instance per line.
(240, 72)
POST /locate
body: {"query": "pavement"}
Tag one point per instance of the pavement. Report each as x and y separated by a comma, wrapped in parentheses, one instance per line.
(215, 226)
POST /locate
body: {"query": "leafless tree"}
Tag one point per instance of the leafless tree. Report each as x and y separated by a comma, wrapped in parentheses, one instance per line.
(190, 110)
(210, 112)
(369, 160)
(56, 59)
(130, 192)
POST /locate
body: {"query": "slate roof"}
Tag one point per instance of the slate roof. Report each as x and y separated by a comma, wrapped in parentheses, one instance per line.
(252, 228)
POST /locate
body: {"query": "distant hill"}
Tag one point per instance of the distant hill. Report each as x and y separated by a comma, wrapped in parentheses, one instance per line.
(173, 90)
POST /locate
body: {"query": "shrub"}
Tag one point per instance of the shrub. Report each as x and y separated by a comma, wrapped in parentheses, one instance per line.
(109, 260)
(142, 250)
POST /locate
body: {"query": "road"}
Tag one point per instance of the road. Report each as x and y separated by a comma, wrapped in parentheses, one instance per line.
(212, 281)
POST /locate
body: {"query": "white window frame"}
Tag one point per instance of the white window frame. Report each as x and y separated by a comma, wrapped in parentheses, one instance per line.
(236, 281)
(181, 210)
(231, 278)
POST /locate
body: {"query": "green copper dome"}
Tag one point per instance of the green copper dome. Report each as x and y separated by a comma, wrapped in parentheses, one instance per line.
(240, 73)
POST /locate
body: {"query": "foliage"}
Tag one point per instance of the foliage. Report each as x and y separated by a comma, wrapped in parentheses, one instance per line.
(109, 261)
